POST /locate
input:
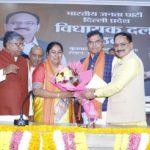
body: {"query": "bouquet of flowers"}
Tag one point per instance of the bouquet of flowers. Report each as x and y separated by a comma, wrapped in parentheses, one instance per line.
(68, 77)
(74, 78)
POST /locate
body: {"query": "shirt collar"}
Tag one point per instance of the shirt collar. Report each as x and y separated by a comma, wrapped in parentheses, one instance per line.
(95, 56)
(128, 55)
(34, 42)
(28, 46)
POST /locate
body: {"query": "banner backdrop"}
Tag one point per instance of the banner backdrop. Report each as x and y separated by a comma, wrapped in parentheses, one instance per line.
(69, 25)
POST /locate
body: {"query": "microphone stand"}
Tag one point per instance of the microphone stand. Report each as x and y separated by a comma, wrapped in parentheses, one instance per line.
(21, 121)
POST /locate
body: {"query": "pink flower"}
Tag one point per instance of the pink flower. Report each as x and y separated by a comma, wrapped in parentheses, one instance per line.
(72, 78)
(89, 109)
(15, 141)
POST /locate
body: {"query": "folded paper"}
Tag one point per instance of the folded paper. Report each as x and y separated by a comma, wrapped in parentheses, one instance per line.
(96, 82)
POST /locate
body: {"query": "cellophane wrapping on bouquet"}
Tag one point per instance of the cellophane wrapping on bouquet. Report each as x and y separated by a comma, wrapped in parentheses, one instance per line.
(74, 78)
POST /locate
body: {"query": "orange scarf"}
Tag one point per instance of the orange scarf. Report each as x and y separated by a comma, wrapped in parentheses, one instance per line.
(48, 112)
(99, 70)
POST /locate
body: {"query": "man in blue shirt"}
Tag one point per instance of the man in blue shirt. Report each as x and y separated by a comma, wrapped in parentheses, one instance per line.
(100, 63)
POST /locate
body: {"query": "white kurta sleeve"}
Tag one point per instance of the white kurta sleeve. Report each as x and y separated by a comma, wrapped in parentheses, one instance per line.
(2, 76)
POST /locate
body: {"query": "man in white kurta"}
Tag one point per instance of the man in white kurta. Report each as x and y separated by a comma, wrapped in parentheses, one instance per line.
(126, 105)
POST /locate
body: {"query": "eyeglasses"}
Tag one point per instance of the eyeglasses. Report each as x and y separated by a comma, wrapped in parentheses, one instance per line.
(121, 45)
(18, 44)
(28, 23)
(91, 43)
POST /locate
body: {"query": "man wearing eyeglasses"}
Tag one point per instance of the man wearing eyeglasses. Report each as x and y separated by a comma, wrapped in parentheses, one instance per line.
(101, 64)
(14, 87)
(27, 24)
(126, 105)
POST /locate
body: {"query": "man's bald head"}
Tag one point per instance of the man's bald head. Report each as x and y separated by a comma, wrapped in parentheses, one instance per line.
(36, 55)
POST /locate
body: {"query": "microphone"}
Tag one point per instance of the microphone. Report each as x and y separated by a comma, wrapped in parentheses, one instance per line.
(21, 121)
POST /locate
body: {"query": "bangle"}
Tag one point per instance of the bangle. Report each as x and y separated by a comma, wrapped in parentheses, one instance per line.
(58, 95)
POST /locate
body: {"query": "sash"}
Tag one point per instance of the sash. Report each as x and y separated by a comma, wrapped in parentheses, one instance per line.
(48, 112)
(48, 104)
(99, 70)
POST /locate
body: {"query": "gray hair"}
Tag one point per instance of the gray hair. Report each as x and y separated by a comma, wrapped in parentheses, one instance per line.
(11, 35)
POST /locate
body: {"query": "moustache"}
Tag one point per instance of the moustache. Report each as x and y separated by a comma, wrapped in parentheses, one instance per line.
(120, 51)
(27, 29)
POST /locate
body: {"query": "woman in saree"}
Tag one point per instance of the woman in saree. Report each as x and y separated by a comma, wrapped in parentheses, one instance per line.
(50, 104)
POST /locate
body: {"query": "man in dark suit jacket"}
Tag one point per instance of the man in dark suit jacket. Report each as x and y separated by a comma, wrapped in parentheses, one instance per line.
(27, 24)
